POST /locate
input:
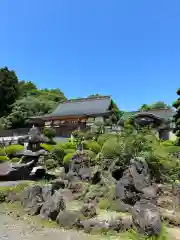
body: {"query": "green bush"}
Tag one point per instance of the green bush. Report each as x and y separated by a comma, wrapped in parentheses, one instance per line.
(58, 154)
(89, 135)
(12, 149)
(69, 145)
(4, 159)
(104, 137)
(15, 160)
(93, 146)
(50, 164)
(67, 158)
(69, 151)
(112, 149)
(49, 132)
(47, 147)
(168, 143)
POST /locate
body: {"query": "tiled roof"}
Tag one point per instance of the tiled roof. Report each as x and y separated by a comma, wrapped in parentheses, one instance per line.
(83, 106)
(165, 114)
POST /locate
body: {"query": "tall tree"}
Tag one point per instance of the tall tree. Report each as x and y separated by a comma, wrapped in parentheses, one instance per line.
(176, 105)
(8, 90)
(153, 106)
(25, 88)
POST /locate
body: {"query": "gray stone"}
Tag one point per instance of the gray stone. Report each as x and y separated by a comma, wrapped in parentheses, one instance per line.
(53, 206)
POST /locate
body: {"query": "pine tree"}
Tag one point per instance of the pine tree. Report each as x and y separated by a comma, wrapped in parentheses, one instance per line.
(176, 105)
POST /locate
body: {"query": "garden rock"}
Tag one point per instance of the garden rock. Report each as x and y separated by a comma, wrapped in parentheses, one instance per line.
(146, 218)
(47, 192)
(88, 210)
(53, 206)
(32, 199)
(69, 219)
(119, 224)
(95, 225)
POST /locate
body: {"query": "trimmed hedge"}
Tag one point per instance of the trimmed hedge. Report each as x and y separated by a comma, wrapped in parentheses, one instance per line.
(93, 146)
(4, 159)
(47, 147)
(12, 149)
(67, 158)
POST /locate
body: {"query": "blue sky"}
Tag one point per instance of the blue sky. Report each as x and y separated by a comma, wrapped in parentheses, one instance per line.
(125, 48)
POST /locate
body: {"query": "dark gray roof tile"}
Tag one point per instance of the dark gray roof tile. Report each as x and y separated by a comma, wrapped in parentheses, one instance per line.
(86, 106)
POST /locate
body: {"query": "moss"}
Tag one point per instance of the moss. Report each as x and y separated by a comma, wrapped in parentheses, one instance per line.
(5, 190)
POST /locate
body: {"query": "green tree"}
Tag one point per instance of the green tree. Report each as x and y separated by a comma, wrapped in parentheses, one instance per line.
(8, 90)
(176, 105)
(156, 105)
(25, 88)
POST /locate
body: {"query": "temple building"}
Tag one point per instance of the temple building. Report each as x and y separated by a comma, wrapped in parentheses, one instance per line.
(75, 114)
(159, 119)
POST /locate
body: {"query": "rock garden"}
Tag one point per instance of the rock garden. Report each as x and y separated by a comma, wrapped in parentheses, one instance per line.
(97, 183)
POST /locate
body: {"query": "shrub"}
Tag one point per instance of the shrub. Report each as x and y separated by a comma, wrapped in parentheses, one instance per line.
(12, 149)
(4, 159)
(69, 151)
(58, 154)
(112, 149)
(50, 164)
(104, 137)
(49, 132)
(15, 160)
(69, 145)
(93, 146)
(67, 158)
(89, 135)
(47, 147)
(168, 143)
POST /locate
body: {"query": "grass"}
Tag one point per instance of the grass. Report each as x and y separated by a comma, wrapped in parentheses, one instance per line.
(5, 190)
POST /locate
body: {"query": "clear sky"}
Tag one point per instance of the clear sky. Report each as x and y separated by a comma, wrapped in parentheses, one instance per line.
(129, 49)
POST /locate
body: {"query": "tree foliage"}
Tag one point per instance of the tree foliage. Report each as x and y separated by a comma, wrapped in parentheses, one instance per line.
(153, 106)
(22, 99)
(176, 105)
(8, 90)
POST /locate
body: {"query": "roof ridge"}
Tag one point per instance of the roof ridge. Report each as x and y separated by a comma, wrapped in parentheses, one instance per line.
(85, 99)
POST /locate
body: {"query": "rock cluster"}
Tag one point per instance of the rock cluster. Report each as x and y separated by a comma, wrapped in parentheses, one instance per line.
(134, 194)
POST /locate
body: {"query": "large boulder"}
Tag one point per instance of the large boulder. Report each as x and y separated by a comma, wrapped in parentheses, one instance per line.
(69, 219)
(88, 210)
(146, 218)
(51, 208)
(32, 199)
(135, 183)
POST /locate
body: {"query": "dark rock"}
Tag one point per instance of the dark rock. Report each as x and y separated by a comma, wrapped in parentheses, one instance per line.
(47, 192)
(95, 225)
(59, 183)
(88, 210)
(121, 223)
(69, 219)
(122, 207)
(32, 199)
(146, 218)
(95, 176)
(53, 206)
(149, 193)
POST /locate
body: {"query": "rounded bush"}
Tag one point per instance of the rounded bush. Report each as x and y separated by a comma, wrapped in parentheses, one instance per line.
(49, 132)
(69, 151)
(47, 147)
(50, 164)
(69, 145)
(13, 149)
(104, 137)
(4, 159)
(15, 160)
(68, 158)
(93, 146)
(2, 152)
(58, 154)
(112, 149)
